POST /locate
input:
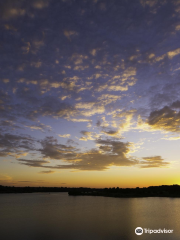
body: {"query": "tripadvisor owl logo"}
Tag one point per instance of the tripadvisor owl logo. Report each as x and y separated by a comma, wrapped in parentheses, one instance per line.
(139, 231)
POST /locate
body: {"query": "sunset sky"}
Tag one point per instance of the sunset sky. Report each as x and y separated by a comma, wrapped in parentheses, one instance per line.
(89, 93)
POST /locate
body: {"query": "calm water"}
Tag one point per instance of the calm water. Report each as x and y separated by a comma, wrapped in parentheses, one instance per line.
(57, 216)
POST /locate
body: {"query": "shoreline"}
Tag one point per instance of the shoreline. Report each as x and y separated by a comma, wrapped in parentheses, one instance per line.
(172, 191)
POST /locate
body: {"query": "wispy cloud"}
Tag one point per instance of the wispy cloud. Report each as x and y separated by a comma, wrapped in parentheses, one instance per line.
(47, 172)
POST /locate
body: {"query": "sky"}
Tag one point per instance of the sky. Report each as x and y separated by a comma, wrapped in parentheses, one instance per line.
(89, 93)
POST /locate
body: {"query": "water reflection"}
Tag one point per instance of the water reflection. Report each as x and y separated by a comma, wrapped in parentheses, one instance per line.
(59, 216)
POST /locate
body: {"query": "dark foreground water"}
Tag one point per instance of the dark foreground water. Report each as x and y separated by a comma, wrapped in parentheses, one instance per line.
(57, 216)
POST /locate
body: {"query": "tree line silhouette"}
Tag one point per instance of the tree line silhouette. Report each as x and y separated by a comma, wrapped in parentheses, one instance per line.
(152, 191)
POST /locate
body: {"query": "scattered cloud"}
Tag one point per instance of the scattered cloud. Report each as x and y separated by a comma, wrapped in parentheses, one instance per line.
(15, 145)
(166, 119)
(79, 120)
(39, 4)
(32, 163)
(40, 126)
(153, 162)
(47, 172)
(53, 150)
(87, 136)
(108, 98)
(101, 78)
(112, 133)
(69, 34)
(170, 55)
(83, 105)
(109, 153)
(65, 135)
(5, 80)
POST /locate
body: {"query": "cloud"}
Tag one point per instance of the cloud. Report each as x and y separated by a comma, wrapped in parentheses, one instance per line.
(153, 162)
(78, 58)
(25, 49)
(81, 68)
(69, 34)
(87, 135)
(170, 55)
(36, 64)
(108, 98)
(165, 119)
(50, 106)
(93, 52)
(150, 3)
(11, 144)
(175, 104)
(8, 125)
(47, 172)
(10, 27)
(85, 105)
(39, 4)
(103, 123)
(171, 138)
(71, 141)
(68, 83)
(32, 163)
(98, 124)
(112, 133)
(119, 82)
(105, 148)
(65, 97)
(126, 119)
(109, 153)
(53, 150)
(40, 126)
(79, 120)
(5, 80)
(111, 81)
(177, 27)
(65, 135)
(90, 108)
(94, 110)
(11, 10)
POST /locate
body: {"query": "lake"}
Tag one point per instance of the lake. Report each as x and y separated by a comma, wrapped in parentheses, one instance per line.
(57, 216)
